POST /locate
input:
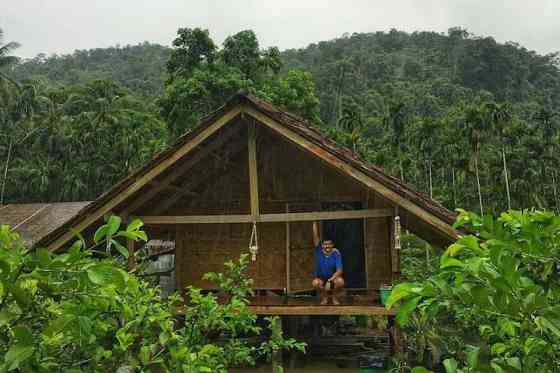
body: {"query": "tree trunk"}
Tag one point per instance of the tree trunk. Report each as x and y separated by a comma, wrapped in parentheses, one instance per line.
(6, 167)
(478, 185)
(506, 177)
(401, 169)
(453, 187)
(555, 191)
(430, 178)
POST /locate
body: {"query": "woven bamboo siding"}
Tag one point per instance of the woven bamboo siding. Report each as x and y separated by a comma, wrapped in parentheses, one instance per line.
(378, 245)
(203, 248)
(288, 175)
(301, 256)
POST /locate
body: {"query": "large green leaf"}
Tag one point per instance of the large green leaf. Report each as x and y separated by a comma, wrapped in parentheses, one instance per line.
(399, 292)
(16, 355)
(100, 234)
(548, 325)
(23, 335)
(450, 365)
(44, 257)
(406, 309)
(113, 225)
(473, 356)
(22, 297)
(134, 225)
(447, 261)
(105, 274)
(120, 248)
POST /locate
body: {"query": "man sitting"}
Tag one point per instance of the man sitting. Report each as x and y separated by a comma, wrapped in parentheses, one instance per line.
(328, 268)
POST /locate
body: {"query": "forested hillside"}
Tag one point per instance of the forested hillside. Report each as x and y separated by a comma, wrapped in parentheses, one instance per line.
(464, 118)
(139, 68)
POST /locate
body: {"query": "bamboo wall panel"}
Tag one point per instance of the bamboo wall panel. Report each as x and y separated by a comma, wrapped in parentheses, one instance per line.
(302, 262)
(290, 175)
(378, 245)
(203, 248)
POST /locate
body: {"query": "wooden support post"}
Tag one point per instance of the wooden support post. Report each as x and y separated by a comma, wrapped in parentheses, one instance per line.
(288, 287)
(366, 243)
(277, 361)
(253, 177)
(131, 255)
(397, 337)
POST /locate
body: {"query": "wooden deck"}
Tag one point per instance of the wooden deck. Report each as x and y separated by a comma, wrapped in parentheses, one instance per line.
(351, 304)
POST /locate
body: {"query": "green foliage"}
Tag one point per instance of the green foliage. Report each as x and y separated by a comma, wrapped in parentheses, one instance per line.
(139, 68)
(497, 288)
(73, 143)
(467, 120)
(77, 313)
(439, 110)
(201, 78)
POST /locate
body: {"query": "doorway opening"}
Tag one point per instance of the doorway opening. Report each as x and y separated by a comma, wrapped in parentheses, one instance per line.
(348, 237)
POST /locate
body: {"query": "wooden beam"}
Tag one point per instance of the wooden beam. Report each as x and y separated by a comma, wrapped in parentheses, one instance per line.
(350, 170)
(196, 219)
(366, 242)
(288, 270)
(253, 176)
(326, 215)
(322, 310)
(266, 218)
(184, 167)
(146, 177)
(172, 187)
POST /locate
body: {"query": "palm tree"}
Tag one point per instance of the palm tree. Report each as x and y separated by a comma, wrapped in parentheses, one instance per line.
(427, 140)
(6, 59)
(397, 120)
(22, 109)
(545, 118)
(352, 122)
(500, 116)
(475, 129)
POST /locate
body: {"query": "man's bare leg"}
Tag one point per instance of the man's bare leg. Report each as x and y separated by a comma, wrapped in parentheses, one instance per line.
(338, 289)
(320, 286)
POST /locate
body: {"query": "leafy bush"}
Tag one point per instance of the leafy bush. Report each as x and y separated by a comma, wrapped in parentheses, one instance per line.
(499, 289)
(73, 312)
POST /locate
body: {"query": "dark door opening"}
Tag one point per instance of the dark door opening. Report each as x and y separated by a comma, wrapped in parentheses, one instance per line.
(348, 237)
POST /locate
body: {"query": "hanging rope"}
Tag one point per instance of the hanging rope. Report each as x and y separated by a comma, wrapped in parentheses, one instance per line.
(254, 243)
(397, 232)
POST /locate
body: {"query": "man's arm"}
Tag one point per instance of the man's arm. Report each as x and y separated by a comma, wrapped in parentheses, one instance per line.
(338, 273)
(316, 237)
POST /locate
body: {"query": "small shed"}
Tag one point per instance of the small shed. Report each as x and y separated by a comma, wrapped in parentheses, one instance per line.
(252, 168)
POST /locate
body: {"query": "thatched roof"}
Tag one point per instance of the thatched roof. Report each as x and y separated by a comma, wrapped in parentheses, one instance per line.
(33, 221)
(80, 211)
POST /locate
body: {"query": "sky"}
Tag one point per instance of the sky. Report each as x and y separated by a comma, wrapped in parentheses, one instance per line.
(62, 26)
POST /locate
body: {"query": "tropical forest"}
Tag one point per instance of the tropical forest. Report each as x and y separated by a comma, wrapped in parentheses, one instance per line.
(470, 122)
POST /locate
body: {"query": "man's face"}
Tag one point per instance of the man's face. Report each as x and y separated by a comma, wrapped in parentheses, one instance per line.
(328, 246)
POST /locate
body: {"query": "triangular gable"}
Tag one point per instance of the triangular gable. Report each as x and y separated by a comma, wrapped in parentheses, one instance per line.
(287, 125)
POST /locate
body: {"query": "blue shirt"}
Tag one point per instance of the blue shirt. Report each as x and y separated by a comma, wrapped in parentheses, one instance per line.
(327, 265)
